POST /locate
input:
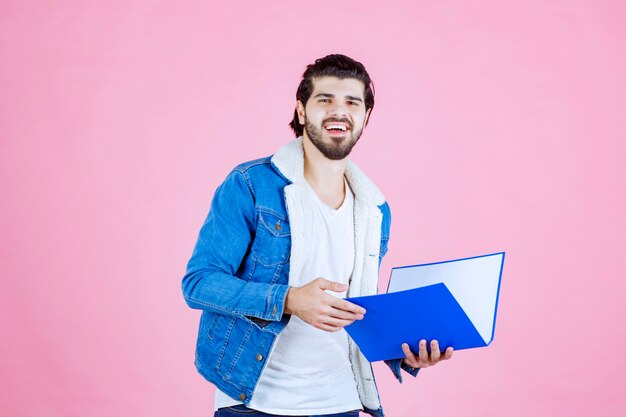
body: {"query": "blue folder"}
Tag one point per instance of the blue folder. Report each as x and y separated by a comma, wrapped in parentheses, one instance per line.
(453, 301)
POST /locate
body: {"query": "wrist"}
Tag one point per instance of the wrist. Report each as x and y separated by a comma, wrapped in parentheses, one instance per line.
(289, 300)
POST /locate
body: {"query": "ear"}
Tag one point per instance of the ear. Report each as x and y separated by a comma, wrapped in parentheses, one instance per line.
(367, 117)
(300, 110)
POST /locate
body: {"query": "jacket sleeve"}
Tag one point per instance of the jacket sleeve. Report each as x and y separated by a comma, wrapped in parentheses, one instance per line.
(394, 364)
(223, 242)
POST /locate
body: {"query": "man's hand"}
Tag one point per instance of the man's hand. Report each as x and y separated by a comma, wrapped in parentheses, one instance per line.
(422, 359)
(322, 310)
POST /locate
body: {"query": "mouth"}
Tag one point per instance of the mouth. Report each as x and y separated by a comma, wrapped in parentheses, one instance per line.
(337, 129)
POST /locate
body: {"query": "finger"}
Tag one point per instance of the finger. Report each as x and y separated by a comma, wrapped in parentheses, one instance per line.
(423, 353)
(327, 327)
(345, 315)
(435, 353)
(448, 353)
(345, 305)
(325, 284)
(328, 310)
(339, 323)
(410, 358)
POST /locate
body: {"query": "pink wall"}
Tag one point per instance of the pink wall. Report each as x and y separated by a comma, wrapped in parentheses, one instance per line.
(497, 127)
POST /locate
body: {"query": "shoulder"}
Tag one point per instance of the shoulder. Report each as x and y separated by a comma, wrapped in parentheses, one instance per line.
(260, 163)
(258, 170)
(252, 172)
(261, 180)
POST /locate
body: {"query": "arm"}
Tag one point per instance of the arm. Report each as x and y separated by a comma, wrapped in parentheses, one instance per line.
(224, 240)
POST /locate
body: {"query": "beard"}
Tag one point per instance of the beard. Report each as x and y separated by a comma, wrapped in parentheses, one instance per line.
(334, 149)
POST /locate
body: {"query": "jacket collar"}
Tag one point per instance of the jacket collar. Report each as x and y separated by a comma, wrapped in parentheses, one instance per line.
(289, 160)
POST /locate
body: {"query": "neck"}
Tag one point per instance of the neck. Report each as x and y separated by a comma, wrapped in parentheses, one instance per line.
(321, 171)
(324, 175)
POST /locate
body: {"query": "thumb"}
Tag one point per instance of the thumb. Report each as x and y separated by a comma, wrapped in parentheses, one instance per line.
(325, 284)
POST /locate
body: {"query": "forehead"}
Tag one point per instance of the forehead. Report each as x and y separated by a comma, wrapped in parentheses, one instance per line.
(338, 87)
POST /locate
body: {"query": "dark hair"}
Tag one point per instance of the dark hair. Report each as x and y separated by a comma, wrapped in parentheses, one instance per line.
(335, 65)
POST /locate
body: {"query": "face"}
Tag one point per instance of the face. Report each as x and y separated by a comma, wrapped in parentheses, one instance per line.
(334, 115)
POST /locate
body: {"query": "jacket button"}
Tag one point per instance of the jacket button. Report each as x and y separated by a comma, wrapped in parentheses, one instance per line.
(259, 357)
(242, 397)
(278, 225)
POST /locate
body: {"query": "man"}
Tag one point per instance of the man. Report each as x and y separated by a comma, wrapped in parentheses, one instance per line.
(287, 237)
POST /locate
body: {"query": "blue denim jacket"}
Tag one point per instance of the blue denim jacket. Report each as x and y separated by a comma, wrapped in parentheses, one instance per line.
(248, 247)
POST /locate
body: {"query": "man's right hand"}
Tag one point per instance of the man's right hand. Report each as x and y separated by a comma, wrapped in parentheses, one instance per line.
(320, 309)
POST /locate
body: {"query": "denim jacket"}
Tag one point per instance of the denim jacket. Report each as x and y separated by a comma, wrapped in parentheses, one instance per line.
(250, 244)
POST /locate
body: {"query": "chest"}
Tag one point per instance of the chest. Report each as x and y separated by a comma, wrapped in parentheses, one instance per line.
(330, 241)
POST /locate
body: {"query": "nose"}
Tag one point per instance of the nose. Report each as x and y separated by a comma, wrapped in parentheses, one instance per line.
(338, 111)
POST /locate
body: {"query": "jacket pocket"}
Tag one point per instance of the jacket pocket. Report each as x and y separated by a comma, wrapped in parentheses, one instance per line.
(272, 243)
(213, 324)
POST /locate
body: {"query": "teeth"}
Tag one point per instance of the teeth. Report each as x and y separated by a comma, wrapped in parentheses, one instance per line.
(341, 127)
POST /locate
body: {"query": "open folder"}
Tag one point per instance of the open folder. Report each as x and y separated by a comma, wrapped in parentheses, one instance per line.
(453, 301)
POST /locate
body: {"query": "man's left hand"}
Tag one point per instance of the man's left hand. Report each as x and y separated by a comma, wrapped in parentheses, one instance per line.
(422, 359)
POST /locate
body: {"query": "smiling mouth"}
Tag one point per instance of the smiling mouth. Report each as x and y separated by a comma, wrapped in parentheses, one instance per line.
(336, 128)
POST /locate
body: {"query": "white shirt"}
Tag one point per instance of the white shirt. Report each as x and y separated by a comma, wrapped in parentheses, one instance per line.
(308, 370)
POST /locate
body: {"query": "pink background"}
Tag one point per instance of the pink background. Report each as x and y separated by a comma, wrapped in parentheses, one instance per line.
(496, 127)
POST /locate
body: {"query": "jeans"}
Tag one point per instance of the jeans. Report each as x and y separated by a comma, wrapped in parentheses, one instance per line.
(242, 410)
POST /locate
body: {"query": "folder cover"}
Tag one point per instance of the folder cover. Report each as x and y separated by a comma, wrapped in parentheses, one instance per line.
(453, 301)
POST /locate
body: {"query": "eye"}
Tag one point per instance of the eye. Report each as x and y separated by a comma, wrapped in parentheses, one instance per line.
(324, 100)
(353, 103)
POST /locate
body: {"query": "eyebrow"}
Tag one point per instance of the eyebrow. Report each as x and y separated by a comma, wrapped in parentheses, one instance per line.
(353, 98)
